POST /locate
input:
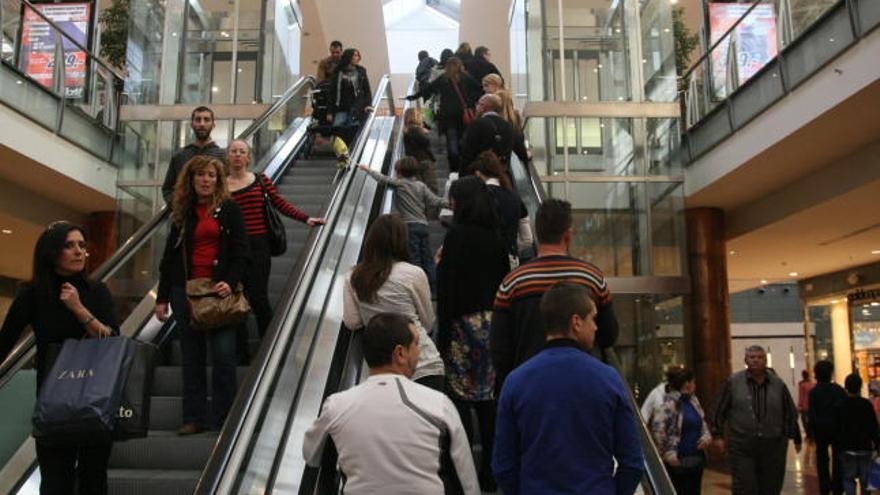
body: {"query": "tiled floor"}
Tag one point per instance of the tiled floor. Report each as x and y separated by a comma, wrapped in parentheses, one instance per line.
(800, 477)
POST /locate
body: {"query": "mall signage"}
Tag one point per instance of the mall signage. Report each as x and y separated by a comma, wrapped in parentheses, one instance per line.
(38, 40)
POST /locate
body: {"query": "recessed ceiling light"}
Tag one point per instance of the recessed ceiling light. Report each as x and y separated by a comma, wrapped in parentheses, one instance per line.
(834, 301)
(764, 281)
(215, 89)
(732, 252)
(876, 251)
(6, 231)
(792, 274)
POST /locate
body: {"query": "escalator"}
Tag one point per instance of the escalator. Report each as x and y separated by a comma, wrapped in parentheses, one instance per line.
(163, 462)
(335, 363)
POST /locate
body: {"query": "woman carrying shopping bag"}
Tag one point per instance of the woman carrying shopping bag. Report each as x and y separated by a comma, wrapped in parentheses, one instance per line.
(60, 303)
(205, 259)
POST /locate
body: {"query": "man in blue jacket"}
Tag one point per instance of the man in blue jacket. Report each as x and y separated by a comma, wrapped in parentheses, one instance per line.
(564, 417)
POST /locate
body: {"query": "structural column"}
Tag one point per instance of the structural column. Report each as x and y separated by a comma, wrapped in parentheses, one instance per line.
(708, 332)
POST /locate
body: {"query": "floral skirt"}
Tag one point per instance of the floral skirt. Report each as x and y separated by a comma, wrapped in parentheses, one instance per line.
(469, 371)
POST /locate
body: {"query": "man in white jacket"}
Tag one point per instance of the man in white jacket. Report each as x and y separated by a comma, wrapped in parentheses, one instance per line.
(392, 434)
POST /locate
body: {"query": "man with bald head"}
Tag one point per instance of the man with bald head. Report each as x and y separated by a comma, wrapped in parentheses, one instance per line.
(489, 132)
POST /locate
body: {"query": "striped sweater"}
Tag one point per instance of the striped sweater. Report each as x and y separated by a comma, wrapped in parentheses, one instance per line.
(517, 327)
(250, 200)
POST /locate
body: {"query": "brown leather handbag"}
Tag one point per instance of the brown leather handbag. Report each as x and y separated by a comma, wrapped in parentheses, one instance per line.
(207, 310)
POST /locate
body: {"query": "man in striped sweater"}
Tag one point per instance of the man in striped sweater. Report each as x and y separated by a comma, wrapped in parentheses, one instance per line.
(517, 328)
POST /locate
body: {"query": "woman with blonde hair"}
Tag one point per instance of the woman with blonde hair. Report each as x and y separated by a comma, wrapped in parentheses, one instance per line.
(207, 240)
(511, 115)
(251, 191)
(492, 83)
(417, 145)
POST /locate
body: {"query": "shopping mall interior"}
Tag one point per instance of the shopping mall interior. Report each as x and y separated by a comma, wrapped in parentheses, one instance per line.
(722, 160)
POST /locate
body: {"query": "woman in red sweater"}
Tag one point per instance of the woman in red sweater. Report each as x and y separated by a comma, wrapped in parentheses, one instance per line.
(246, 191)
(207, 239)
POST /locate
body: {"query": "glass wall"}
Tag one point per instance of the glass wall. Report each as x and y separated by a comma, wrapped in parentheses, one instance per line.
(212, 51)
(620, 173)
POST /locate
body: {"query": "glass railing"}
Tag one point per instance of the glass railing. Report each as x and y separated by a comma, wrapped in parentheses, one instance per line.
(78, 98)
(251, 454)
(131, 274)
(769, 46)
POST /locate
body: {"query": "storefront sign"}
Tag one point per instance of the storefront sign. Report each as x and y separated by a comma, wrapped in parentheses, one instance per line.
(755, 40)
(38, 40)
(863, 295)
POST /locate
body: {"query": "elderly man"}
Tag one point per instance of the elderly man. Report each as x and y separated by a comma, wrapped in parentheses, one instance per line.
(489, 132)
(761, 417)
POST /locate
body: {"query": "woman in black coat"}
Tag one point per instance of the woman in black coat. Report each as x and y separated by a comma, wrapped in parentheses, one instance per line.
(458, 91)
(60, 303)
(207, 240)
(472, 264)
(351, 97)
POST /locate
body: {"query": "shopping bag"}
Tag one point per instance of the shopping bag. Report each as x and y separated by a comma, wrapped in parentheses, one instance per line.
(133, 415)
(82, 392)
(874, 475)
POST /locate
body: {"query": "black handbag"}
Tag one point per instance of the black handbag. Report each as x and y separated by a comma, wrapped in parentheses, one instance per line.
(277, 236)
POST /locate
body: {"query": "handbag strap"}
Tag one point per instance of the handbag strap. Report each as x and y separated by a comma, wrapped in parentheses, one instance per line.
(460, 96)
(267, 201)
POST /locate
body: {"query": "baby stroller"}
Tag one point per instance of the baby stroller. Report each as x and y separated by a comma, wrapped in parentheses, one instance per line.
(322, 99)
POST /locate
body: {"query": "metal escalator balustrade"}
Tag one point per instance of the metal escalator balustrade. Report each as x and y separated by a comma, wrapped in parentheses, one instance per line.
(132, 271)
(251, 455)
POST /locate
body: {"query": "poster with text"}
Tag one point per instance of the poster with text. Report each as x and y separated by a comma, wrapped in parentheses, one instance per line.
(38, 40)
(755, 40)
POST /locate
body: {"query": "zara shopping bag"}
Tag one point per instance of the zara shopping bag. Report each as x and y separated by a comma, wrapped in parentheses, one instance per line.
(82, 392)
(133, 414)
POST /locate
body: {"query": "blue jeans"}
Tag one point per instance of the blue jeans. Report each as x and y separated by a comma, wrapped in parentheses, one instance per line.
(855, 466)
(194, 344)
(420, 250)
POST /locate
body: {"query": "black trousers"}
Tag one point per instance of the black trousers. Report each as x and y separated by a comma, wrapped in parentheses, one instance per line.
(256, 289)
(828, 466)
(63, 467)
(757, 465)
(485, 412)
(686, 481)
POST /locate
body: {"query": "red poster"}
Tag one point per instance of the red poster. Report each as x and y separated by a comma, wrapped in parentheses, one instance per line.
(38, 40)
(755, 40)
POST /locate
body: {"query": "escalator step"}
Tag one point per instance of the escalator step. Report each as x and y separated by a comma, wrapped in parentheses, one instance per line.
(153, 481)
(168, 380)
(164, 450)
(166, 413)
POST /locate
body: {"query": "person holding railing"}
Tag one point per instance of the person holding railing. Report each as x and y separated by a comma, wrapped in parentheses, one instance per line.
(60, 302)
(207, 240)
(250, 191)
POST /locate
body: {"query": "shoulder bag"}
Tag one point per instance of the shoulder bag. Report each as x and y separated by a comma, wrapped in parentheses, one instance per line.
(276, 235)
(468, 116)
(207, 310)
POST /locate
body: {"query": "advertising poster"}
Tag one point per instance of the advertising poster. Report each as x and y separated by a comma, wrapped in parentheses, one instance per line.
(755, 40)
(38, 40)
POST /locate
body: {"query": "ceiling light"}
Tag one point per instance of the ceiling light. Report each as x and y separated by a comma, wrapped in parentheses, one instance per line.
(764, 281)
(665, 30)
(792, 274)
(875, 303)
(240, 69)
(732, 252)
(6, 231)
(215, 89)
(835, 301)
(876, 251)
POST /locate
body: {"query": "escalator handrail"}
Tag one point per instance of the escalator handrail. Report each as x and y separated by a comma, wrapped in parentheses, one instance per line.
(252, 394)
(352, 356)
(23, 351)
(285, 98)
